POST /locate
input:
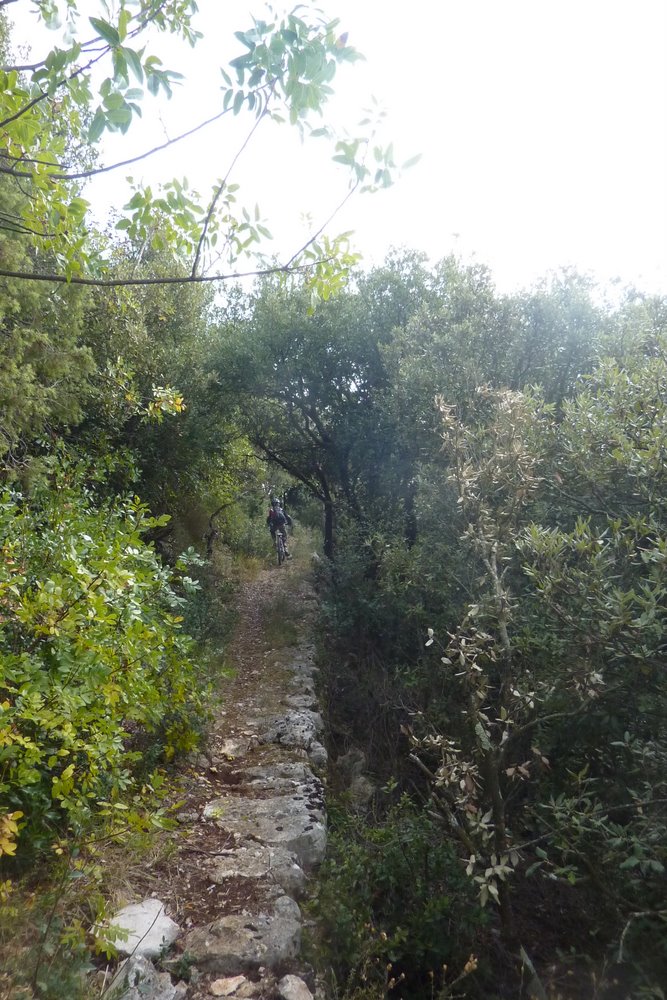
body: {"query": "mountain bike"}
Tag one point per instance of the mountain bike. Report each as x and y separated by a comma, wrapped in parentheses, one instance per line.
(280, 547)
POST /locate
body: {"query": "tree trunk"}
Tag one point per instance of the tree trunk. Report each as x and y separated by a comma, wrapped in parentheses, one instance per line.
(329, 528)
(500, 844)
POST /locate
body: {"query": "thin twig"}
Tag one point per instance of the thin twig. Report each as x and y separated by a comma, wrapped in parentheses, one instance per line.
(223, 183)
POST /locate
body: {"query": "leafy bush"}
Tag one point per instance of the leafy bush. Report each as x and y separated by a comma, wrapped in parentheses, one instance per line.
(393, 894)
(93, 658)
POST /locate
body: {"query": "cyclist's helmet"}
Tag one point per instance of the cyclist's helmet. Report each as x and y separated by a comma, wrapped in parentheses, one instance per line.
(275, 502)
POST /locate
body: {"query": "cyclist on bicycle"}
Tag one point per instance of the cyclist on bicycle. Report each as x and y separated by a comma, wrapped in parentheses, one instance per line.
(278, 520)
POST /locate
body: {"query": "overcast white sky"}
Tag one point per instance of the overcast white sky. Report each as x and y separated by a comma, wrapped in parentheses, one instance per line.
(542, 126)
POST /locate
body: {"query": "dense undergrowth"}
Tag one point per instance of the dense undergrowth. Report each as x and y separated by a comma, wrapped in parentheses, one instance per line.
(507, 669)
(112, 660)
(95, 660)
(394, 911)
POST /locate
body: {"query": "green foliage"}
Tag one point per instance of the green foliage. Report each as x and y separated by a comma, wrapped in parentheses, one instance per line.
(393, 893)
(500, 611)
(370, 640)
(93, 657)
(43, 364)
(246, 534)
(55, 112)
(189, 458)
(311, 387)
(557, 659)
(55, 922)
(62, 966)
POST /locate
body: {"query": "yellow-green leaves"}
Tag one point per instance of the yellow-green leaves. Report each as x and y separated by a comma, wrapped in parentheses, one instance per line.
(9, 830)
(91, 651)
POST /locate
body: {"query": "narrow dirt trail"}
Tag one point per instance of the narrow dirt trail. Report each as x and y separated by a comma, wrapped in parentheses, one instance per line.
(251, 820)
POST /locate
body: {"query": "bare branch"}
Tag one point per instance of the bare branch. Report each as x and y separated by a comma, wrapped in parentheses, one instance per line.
(93, 172)
(83, 174)
(187, 279)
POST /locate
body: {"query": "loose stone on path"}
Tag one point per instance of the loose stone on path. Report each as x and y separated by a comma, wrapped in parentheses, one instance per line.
(149, 930)
(293, 988)
(226, 987)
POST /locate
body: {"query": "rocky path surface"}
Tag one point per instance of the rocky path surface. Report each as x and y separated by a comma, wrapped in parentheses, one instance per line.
(251, 826)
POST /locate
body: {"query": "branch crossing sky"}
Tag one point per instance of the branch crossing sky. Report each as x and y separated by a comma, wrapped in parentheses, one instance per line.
(542, 126)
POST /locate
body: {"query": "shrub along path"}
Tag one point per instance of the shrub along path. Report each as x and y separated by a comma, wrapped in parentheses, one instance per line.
(251, 823)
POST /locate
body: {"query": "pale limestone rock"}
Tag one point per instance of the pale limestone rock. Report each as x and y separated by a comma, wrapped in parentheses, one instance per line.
(362, 791)
(138, 979)
(298, 701)
(236, 944)
(149, 930)
(297, 728)
(317, 755)
(257, 861)
(226, 987)
(294, 823)
(287, 775)
(294, 988)
(233, 748)
(265, 987)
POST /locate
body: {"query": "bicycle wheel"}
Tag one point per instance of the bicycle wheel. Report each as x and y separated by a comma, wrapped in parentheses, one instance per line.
(280, 548)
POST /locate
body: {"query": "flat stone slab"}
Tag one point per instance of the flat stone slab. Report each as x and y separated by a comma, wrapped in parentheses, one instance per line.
(237, 944)
(258, 861)
(302, 684)
(149, 930)
(294, 822)
(300, 700)
(294, 770)
(285, 775)
(296, 728)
